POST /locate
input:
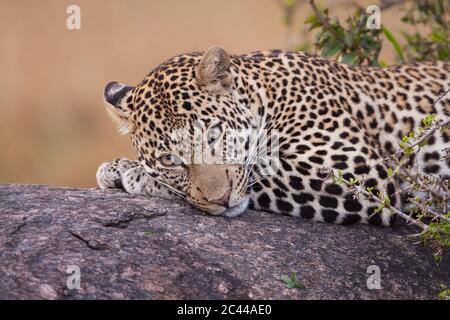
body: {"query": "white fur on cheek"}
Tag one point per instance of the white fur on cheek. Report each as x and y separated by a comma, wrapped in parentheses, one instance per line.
(237, 210)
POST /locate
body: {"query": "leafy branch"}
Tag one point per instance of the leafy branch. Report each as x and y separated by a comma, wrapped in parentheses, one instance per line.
(354, 44)
(429, 211)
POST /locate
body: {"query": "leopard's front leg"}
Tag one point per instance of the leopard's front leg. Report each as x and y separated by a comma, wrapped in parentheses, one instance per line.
(130, 176)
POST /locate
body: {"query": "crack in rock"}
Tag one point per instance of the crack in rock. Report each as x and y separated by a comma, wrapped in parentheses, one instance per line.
(124, 220)
(91, 244)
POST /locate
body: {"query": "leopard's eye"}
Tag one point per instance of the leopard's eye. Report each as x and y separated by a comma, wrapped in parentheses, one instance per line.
(169, 160)
(214, 134)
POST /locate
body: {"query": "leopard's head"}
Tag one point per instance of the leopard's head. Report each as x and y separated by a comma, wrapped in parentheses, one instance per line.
(191, 129)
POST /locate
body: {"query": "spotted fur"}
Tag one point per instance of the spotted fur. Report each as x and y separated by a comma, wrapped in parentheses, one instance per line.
(327, 115)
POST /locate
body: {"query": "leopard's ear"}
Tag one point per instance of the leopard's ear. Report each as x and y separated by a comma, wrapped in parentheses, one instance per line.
(213, 71)
(119, 105)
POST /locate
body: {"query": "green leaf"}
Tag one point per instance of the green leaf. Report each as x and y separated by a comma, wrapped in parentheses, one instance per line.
(349, 58)
(445, 293)
(311, 19)
(437, 37)
(334, 21)
(394, 42)
(374, 63)
(443, 54)
(331, 48)
(428, 120)
(292, 282)
(368, 43)
(314, 25)
(287, 280)
(383, 64)
(318, 36)
(348, 38)
(390, 172)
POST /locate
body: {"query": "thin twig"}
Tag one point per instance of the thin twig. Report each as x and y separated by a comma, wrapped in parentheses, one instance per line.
(403, 215)
(318, 13)
(418, 183)
(425, 134)
(386, 4)
(423, 207)
(360, 189)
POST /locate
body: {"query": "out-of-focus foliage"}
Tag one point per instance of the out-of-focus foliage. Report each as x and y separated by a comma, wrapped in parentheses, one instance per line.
(434, 45)
(352, 44)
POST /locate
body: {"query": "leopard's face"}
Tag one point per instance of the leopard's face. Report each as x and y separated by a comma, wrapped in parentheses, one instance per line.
(191, 130)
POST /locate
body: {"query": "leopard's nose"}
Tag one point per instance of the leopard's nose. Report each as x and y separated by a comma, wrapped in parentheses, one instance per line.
(224, 200)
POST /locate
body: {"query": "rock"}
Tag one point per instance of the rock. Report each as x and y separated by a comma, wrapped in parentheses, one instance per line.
(127, 247)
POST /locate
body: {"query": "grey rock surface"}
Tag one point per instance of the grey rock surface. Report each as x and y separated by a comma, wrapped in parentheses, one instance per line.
(147, 248)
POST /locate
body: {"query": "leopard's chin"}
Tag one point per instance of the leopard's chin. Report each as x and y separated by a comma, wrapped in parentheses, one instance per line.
(238, 209)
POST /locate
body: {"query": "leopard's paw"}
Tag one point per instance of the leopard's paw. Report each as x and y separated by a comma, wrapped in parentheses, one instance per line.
(108, 176)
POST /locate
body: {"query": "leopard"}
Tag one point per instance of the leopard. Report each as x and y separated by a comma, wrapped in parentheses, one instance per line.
(295, 117)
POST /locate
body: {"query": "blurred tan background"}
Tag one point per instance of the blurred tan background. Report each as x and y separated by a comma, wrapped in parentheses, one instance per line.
(54, 129)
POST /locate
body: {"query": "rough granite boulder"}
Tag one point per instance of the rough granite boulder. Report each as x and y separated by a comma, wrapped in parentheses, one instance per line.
(146, 248)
